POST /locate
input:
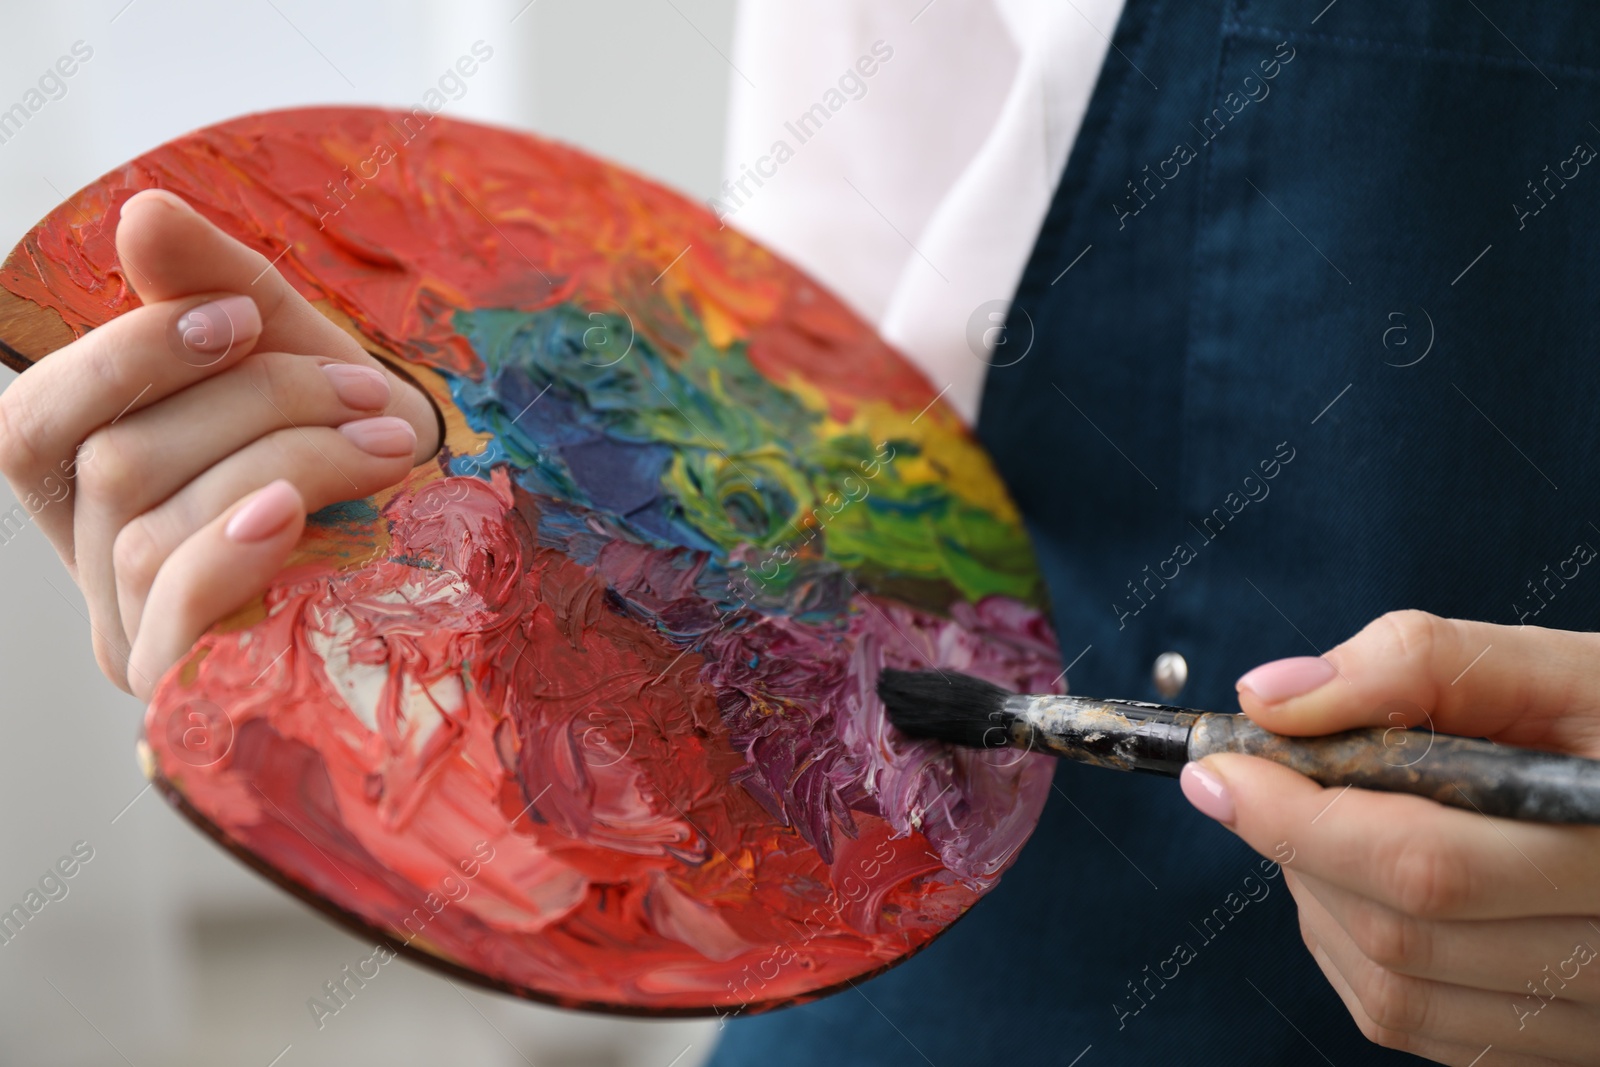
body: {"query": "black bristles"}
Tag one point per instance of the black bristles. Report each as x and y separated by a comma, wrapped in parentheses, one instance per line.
(947, 706)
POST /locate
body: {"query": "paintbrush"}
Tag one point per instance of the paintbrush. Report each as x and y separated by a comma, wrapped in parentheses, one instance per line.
(1131, 735)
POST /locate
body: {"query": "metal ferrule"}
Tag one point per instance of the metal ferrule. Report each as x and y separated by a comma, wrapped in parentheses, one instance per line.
(1126, 735)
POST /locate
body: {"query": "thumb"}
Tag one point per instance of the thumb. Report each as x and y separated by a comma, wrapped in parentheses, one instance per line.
(170, 251)
(1409, 668)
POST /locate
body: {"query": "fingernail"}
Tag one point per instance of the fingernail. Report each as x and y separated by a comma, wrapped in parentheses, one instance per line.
(216, 326)
(1207, 793)
(362, 388)
(385, 436)
(266, 513)
(1285, 678)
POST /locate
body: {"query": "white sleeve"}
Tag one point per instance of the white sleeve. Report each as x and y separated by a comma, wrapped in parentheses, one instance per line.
(914, 191)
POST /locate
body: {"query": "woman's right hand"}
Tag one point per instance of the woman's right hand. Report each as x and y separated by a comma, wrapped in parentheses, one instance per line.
(172, 454)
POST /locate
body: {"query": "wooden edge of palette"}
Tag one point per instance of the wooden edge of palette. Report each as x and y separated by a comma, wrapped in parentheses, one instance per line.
(29, 331)
(357, 925)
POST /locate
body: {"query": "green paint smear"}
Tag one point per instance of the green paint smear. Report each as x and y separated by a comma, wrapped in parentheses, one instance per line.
(749, 464)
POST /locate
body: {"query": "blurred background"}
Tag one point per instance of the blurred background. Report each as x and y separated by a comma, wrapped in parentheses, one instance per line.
(165, 950)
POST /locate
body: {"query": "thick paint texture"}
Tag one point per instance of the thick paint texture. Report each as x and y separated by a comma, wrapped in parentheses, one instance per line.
(586, 705)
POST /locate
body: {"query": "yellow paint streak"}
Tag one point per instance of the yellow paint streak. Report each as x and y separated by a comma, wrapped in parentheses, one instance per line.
(950, 457)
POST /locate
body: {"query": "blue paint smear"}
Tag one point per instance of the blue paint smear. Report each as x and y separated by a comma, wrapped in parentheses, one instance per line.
(694, 452)
(574, 429)
(347, 514)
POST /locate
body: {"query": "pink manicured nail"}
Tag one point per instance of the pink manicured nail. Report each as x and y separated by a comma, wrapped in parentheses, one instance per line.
(216, 327)
(362, 388)
(1207, 793)
(1285, 678)
(385, 436)
(264, 514)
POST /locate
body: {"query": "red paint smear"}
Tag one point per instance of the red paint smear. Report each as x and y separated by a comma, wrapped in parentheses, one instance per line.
(583, 752)
(457, 219)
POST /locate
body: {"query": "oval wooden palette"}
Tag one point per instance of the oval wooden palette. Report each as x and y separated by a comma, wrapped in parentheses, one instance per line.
(583, 710)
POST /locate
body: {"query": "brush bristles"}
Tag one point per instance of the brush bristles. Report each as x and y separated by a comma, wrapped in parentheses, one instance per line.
(947, 706)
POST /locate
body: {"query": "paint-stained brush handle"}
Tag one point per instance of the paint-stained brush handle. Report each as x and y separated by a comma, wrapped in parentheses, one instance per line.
(1131, 735)
(1512, 783)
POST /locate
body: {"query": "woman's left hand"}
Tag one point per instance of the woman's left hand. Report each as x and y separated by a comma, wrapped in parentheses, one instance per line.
(1462, 938)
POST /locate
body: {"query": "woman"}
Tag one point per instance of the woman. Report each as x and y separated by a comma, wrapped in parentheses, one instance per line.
(1279, 361)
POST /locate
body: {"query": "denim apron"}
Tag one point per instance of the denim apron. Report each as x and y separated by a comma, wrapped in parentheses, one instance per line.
(1309, 334)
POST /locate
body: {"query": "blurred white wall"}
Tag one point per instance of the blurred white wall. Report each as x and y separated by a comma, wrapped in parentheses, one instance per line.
(166, 951)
